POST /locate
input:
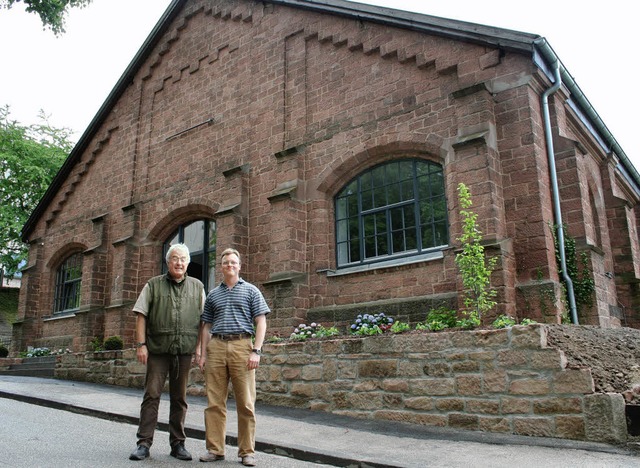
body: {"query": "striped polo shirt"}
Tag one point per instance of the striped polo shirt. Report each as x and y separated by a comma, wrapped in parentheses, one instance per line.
(232, 311)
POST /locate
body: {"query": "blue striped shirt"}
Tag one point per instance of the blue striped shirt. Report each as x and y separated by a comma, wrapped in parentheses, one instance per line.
(232, 311)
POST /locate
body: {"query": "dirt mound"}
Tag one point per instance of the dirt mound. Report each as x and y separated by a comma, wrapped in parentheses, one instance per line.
(612, 354)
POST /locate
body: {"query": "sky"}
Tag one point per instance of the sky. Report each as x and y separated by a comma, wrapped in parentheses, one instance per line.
(69, 77)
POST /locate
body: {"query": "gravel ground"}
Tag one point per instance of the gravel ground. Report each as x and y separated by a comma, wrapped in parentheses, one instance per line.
(612, 354)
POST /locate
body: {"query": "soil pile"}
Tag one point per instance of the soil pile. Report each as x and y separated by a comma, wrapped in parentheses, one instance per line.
(612, 354)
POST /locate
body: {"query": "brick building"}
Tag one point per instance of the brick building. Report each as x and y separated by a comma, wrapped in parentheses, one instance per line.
(325, 140)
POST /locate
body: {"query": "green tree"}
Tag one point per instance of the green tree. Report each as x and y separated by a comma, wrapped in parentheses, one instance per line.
(474, 267)
(30, 157)
(52, 12)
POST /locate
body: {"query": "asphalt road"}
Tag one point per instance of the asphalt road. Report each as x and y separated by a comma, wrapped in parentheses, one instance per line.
(58, 423)
(38, 437)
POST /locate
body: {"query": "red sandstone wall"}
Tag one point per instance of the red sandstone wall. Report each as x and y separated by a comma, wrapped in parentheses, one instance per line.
(256, 115)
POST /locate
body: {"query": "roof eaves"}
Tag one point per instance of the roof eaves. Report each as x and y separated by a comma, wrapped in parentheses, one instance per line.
(435, 25)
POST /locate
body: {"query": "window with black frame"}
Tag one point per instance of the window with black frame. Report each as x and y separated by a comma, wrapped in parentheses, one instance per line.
(200, 237)
(395, 209)
(68, 282)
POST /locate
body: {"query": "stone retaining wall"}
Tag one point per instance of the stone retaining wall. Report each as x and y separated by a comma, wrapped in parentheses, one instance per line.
(505, 381)
(114, 368)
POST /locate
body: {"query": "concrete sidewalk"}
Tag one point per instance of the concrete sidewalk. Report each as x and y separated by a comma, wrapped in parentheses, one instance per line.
(329, 439)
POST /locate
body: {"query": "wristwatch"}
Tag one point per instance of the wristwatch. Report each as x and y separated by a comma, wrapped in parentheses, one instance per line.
(141, 344)
(257, 351)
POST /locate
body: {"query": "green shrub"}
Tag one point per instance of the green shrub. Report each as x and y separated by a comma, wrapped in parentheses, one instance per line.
(527, 321)
(315, 330)
(96, 344)
(113, 343)
(441, 318)
(399, 327)
(504, 321)
(469, 323)
(474, 267)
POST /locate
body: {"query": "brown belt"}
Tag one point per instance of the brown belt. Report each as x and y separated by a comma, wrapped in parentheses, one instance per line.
(238, 336)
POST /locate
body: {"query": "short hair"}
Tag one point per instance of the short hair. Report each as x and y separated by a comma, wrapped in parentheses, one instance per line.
(230, 251)
(183, 248)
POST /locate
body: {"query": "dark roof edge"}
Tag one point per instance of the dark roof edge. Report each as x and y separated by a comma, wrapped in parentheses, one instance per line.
(435, 25)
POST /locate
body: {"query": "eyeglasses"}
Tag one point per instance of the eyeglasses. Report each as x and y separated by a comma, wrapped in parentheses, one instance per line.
(178, 259)
(230, 262)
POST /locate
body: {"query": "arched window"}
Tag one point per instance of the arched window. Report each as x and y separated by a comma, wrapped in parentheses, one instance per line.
(392, 210)
(68, 282)
(200, 237)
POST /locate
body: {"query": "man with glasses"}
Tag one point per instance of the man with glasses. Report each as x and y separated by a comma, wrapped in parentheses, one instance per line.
(167, 333)
(234, 316)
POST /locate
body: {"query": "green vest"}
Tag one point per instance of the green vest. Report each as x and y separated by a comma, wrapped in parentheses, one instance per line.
(174, 315)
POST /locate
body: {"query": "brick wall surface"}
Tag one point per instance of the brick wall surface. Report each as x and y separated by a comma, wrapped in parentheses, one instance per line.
(256, 115)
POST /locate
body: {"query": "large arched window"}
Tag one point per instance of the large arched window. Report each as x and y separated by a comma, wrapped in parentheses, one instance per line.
(391, 210)
(68, 282)
(200, 237)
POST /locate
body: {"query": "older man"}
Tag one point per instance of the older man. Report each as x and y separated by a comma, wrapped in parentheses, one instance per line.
(231, 311)
(168, 319)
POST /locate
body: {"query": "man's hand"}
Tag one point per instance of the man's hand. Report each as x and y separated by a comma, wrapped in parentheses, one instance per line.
(142, 354)
(254, 361)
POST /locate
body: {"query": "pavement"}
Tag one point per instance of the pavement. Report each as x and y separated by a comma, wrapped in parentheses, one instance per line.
(325, 438)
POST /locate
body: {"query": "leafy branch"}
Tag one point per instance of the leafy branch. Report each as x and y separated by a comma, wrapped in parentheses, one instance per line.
(474, 267)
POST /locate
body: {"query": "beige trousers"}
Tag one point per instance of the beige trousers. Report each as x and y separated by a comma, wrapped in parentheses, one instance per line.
(227, 362)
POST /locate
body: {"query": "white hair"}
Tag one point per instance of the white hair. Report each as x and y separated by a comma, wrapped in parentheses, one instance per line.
(181, 247)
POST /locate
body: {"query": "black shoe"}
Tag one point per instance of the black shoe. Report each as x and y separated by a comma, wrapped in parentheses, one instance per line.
(140, 453)
(178, 451)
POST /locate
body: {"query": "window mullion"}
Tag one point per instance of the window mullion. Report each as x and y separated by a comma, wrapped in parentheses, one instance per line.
(416, 208)
(361, 239)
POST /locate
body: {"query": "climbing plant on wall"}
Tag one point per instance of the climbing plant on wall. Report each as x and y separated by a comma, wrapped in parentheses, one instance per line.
(577, 268)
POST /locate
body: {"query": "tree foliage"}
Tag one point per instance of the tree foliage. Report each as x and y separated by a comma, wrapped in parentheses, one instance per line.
(30, 157)
(52, 12)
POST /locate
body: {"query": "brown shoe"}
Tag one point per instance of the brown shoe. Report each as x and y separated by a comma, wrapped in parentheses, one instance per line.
(211, 457)
(248, 461)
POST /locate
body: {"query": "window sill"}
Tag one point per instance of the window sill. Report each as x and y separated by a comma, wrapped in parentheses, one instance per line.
(60, 316)
(427, 257)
